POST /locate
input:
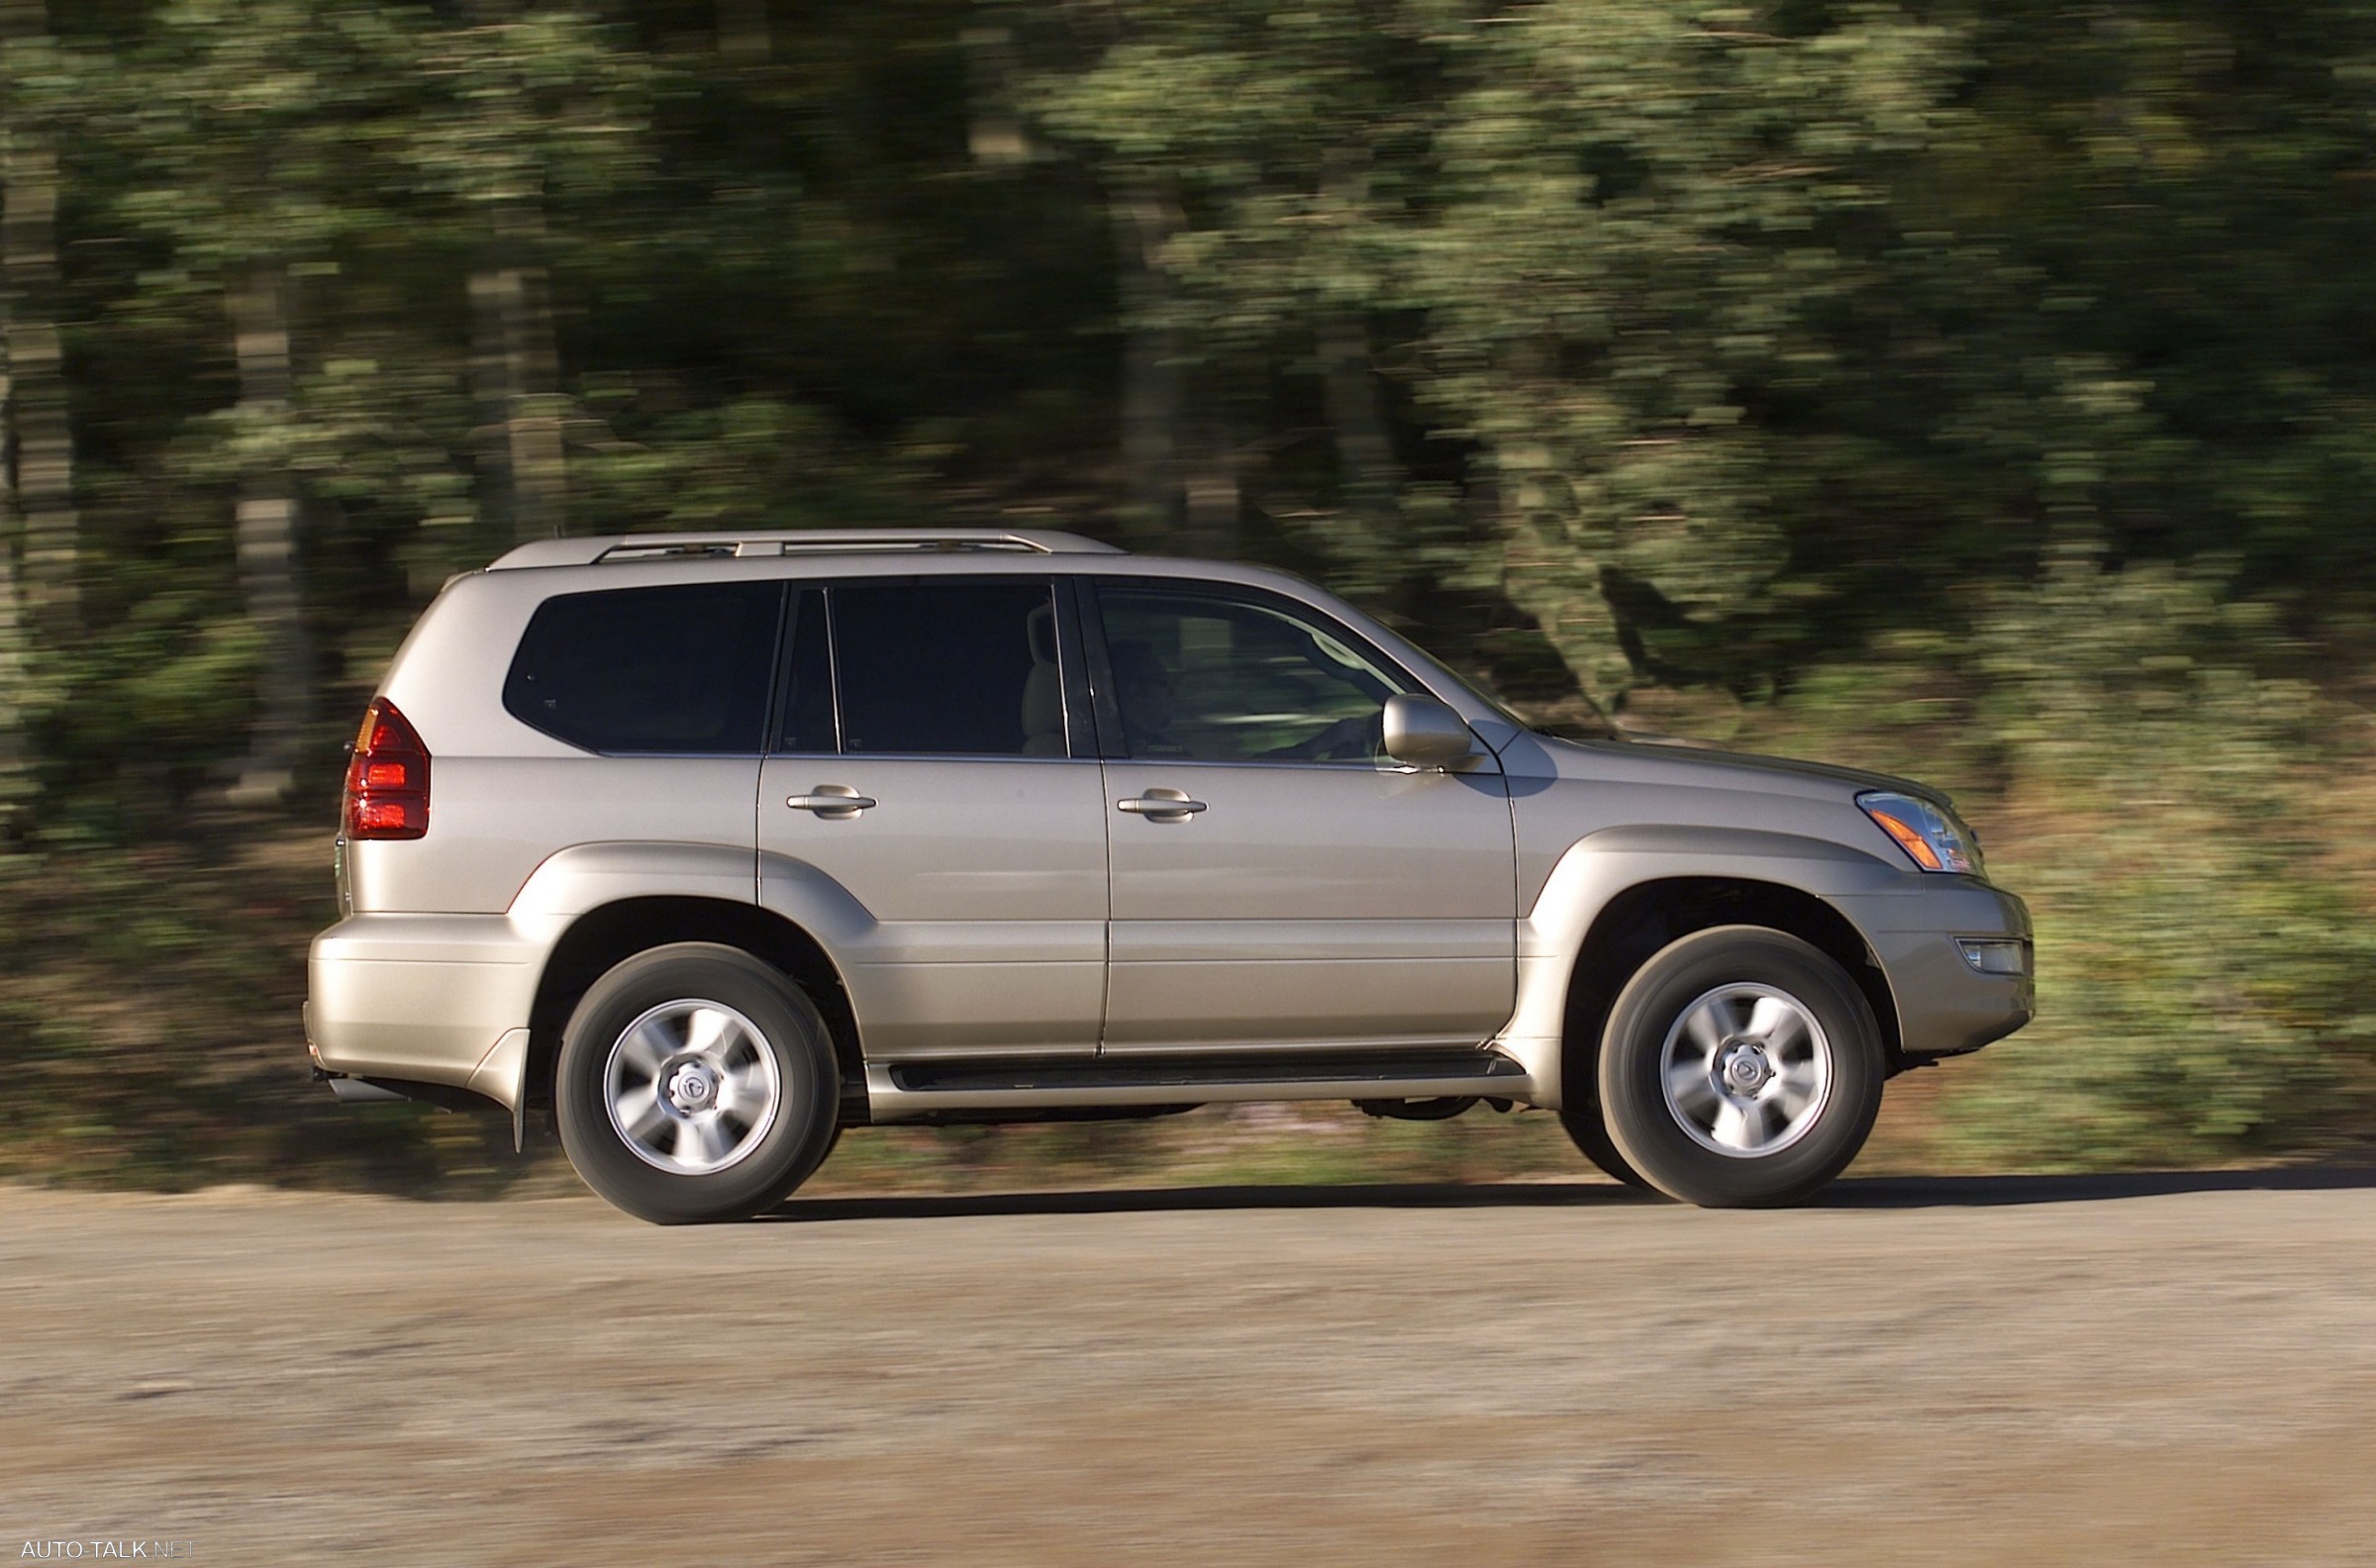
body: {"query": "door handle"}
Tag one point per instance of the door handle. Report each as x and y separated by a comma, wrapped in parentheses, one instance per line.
(1161, 805)
(834, 802)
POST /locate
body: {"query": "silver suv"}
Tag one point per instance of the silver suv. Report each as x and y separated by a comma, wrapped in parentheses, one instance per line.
(714, 846)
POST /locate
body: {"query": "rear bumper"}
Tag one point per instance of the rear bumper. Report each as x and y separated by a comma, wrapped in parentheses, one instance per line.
(1946, 1007)
(440, 999)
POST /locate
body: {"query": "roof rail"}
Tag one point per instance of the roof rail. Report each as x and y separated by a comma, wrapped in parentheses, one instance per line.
(699, 545)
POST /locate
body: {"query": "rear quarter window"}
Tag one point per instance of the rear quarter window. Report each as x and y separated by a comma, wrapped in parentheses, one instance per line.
(677, 669)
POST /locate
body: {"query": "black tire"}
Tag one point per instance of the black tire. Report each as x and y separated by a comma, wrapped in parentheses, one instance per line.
(1767, 1115)
(1589, 1131)
(702, 1035)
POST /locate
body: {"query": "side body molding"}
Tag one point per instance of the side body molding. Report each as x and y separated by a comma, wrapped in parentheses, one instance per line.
(1598, 866)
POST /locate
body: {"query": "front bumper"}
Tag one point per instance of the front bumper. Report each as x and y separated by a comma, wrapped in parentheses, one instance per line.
(1945, 1006)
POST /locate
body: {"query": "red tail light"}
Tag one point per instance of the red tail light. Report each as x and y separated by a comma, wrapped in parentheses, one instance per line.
(387, 783)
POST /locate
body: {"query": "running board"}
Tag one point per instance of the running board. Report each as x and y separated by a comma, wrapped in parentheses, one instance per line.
(899, 1090)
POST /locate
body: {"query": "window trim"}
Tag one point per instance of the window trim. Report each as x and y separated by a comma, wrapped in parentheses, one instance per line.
(786, 646)
(1080, 722)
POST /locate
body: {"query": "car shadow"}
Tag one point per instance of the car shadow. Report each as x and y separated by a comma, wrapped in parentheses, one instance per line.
(1166, 1199)
(1988, 1192)
(1874, 1192)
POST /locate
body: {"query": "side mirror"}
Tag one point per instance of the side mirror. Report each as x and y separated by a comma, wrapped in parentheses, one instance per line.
(1424, 732)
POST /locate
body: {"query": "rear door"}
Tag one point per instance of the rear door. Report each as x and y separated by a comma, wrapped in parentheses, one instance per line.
(924, 805)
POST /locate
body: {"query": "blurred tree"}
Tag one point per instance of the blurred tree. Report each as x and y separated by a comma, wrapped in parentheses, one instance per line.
(529, 97)
(255, 127)
(40, 438)
(16, 784)
(1235, 148)
(743, 36)
(1601, 237)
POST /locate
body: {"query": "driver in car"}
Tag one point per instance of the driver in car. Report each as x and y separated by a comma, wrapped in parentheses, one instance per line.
(1143, 692)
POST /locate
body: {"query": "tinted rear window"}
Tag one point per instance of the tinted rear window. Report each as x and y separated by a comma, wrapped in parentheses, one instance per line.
(674, 669)
(949, 668)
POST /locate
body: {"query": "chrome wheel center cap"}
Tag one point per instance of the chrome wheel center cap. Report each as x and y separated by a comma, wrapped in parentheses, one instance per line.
(1746, 1070)
(692, 1087)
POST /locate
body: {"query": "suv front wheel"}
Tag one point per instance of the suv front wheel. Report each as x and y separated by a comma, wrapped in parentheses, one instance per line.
(1741, 1067)
(695, 1084)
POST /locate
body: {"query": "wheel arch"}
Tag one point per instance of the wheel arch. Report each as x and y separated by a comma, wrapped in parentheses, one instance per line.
(612, 932)
(1645, 917)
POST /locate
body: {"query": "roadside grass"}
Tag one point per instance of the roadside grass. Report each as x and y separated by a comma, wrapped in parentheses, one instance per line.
(150, 1026)
(2193, 838)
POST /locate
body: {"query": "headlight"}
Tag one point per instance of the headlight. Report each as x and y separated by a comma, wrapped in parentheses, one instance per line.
(1931, 834)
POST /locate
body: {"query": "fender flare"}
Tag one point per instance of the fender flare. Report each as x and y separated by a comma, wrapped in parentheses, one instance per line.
(1597, 868)
(583, 880)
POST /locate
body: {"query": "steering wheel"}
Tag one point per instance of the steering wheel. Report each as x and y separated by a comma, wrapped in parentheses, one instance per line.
(1348, 739)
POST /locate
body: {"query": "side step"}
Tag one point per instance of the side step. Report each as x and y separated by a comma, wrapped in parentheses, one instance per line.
(899, 1090)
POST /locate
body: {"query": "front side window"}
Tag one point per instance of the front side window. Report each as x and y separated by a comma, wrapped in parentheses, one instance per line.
(948, 668)
(680, 669)
(1201, 678)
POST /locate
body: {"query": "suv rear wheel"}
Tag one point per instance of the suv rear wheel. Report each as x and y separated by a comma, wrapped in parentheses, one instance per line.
(695, 1084)
(1741, 1067)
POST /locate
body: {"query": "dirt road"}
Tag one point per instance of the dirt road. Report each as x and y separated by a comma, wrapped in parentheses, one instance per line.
(1938, 1372)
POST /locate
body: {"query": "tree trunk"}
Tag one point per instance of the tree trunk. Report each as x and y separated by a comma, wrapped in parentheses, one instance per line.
(16, 756)
(1369, 480)
(1552, 574)
(39, 430)
(1212, 494)
(1144, 218)
(516, 370)
(515, 365)
(1369, 484)
(16, 676)
(491, 388)
(742, 34)
(267, 537)
(994, 132)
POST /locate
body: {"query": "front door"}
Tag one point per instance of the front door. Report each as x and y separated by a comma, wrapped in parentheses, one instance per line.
(1278, 881)
(921, 811)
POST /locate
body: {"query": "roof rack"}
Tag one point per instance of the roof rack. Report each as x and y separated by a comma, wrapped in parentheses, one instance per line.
(589, 550)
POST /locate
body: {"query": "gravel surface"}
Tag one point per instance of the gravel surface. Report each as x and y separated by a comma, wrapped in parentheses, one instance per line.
(2010, 1370)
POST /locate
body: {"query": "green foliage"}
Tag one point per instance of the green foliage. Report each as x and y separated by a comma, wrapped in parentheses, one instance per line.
(753, 462)
(145, 1017)
(2203, 951)
(1745, 369)
(2178, 825)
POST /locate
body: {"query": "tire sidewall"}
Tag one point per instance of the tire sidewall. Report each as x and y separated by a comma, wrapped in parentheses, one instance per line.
(1644, 1129)
(1588, 1129)
(790, 1030)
